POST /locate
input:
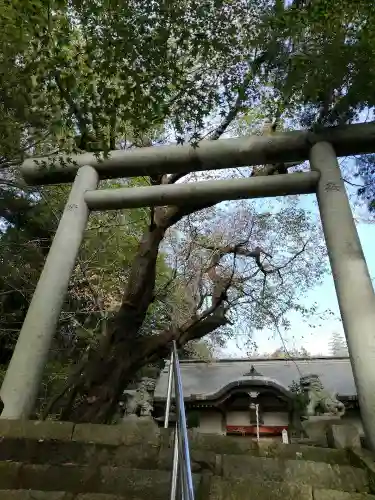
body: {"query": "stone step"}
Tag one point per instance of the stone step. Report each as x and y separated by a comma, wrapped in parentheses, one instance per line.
(55, 495)
(231, 445)
(131, 483)
(60, 442)
(216, 488)
(250, 489)
(147, 456)
(336, 477)
(219, 490)
(128, 481)
(304, 452)
(73, 452)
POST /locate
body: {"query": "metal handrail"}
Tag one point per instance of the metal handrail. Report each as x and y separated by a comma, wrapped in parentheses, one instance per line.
(182, 478)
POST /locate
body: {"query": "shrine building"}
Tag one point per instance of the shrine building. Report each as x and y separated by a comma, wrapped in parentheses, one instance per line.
(229, 396)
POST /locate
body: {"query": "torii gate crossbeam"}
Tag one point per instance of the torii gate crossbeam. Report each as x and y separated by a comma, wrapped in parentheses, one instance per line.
(352, 281)
(209, 155)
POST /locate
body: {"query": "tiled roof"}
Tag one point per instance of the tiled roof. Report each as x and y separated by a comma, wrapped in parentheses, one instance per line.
(205, 379)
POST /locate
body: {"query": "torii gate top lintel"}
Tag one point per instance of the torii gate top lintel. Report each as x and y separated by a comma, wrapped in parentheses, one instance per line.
(209, 155)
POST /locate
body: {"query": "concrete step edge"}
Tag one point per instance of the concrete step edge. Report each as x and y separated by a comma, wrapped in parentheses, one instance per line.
(283, 460)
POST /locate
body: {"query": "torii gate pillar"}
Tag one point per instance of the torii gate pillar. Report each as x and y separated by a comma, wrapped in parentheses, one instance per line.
(22, 380)
(353, 284)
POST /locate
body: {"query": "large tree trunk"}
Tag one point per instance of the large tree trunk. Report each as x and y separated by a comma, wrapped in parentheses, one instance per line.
(96, 395)
(94, 392)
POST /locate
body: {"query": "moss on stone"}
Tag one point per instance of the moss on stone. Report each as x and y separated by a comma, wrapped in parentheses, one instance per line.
(248, 488)
(321, 494)
(305, 472)
(35, 429)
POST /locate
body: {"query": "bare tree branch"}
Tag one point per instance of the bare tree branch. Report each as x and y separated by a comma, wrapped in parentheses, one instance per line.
(239, 249)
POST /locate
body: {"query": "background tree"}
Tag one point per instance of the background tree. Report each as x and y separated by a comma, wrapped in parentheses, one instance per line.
(366, 176)
(285, 352)
(282, 352)
(337, 345)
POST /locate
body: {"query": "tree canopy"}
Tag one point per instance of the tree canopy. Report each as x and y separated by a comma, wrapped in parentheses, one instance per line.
(283, 352)
(102, 75)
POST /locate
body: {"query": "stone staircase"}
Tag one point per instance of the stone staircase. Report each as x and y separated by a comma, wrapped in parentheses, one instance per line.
(62, 461)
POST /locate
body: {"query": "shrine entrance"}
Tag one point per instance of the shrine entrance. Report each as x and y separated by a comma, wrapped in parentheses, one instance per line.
(352, 281)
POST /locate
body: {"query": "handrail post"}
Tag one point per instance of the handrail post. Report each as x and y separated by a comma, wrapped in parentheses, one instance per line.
(175, 466)
(187, 479)
(175, 461)
(169, 392)
(181, 479)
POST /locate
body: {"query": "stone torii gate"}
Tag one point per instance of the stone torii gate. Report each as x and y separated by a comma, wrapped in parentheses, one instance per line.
(352, 281)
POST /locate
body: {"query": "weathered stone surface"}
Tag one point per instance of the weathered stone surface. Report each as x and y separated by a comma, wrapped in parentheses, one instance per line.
(352, 478)
(135, 483)
(321, 494)
(248, 489)
(345, 478)
(316, 428)
(9, 472)
(303, 452)
(201, 461)
(14, 495)
(71, 452)
(344, 436)
(365, 460)
(42, 451)
(266, 469)
(136, 457)
(98, 434)
(97, 496)
(338, 477)
(221, 444)
(74, 479)
(166, 437)
(131, 432)
(359, 458)
(36, 429)
(35, 495)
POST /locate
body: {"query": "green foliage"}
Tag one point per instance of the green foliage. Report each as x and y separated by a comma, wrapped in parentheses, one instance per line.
(366, 174)
(300, 399)
(337, 36)
(197, 350)
(92, 75)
